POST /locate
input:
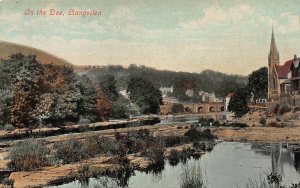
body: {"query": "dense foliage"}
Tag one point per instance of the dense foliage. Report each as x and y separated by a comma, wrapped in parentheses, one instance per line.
(34, 94)
(208, 80)
(238, 103)
(145, 95)
(258, 83)
(256, 88)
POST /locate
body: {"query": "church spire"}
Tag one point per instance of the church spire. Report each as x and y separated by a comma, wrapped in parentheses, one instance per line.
(274, 54)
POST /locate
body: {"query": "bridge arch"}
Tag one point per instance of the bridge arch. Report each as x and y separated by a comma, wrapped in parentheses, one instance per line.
(188, 109)
(212, 109)
(201, 109)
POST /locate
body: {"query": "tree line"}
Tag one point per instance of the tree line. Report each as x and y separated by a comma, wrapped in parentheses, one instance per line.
(209, 81)
(34, 94)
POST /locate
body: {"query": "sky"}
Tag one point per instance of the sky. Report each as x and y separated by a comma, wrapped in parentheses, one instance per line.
(230, 36)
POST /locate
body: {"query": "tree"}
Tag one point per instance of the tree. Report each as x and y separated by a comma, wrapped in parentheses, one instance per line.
(238, 103)
(145, 95)
(87, 102)
(258, 83)
(27, 90)
(120, 108)
(60, 101)
(177, 108)
(6, 97)
(107, 83)
(103, 104)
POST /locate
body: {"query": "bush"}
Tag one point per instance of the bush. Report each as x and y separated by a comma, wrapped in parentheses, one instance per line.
(29, 155)
(276, 109)
(204, 122)
(84, 121)
(240, 125)
(69, 151)
(174, 157)
(172, 140)
(275, 124)
(9, 127)
(194, 135)
(263, 121)
(95, 145)
(120, 109)
(155, 151)
(284, 109)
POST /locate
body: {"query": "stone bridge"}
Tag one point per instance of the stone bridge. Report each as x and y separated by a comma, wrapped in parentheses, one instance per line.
(205, 107)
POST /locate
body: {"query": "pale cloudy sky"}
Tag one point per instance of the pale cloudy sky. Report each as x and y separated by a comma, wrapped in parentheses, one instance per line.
(231, 36)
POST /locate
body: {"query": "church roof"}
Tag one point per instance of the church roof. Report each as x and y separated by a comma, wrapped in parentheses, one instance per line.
(284, 70)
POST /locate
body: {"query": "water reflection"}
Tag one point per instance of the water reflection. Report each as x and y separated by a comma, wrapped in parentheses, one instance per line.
(228, 165)
(281, 155)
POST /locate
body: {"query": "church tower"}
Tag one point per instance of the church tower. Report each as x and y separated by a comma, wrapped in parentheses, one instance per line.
(273, 60)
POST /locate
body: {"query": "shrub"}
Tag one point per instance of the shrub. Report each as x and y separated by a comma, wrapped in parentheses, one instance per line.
(84, 172)
(174, 157)
(216, 124)
(263, 121)
(84, 121)
(204, 122)
(276, 109)
(240, 125)
(172, 140)
(134, 141)
(95, 145)
(274, 178)
(194, 135)
(69, 151)
(275, 124)
(9, 127)
(155, 151)
(284, 109)
(8, 182)
(29, 155)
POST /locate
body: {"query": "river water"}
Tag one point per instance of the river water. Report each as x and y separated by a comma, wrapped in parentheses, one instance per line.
(228, 165)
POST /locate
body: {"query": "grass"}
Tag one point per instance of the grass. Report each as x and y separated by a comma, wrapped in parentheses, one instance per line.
(192, 178)
(69, 151)
(29, 155)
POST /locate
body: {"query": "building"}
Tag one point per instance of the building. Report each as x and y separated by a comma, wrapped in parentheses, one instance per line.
(165, 90)
(273, 60)
(283, 73)
(189, 92)
(279, 75)
(295, 75)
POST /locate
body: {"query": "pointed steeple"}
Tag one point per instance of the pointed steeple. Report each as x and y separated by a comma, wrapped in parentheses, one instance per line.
(274, 54)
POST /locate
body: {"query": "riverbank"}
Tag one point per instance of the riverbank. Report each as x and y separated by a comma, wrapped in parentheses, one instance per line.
(69, 172)
(259, 134)
(177, 144)
(51, 131)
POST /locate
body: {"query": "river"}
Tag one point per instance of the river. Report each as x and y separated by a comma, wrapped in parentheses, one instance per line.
(228, 165)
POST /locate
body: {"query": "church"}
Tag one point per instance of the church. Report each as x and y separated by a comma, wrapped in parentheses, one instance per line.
(278, 78)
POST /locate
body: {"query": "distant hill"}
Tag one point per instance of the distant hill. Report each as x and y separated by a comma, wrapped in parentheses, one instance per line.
(7, 48)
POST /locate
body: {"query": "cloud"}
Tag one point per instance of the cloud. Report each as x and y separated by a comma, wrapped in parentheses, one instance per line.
(121, 14)
(291, 22)
(215, 14)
